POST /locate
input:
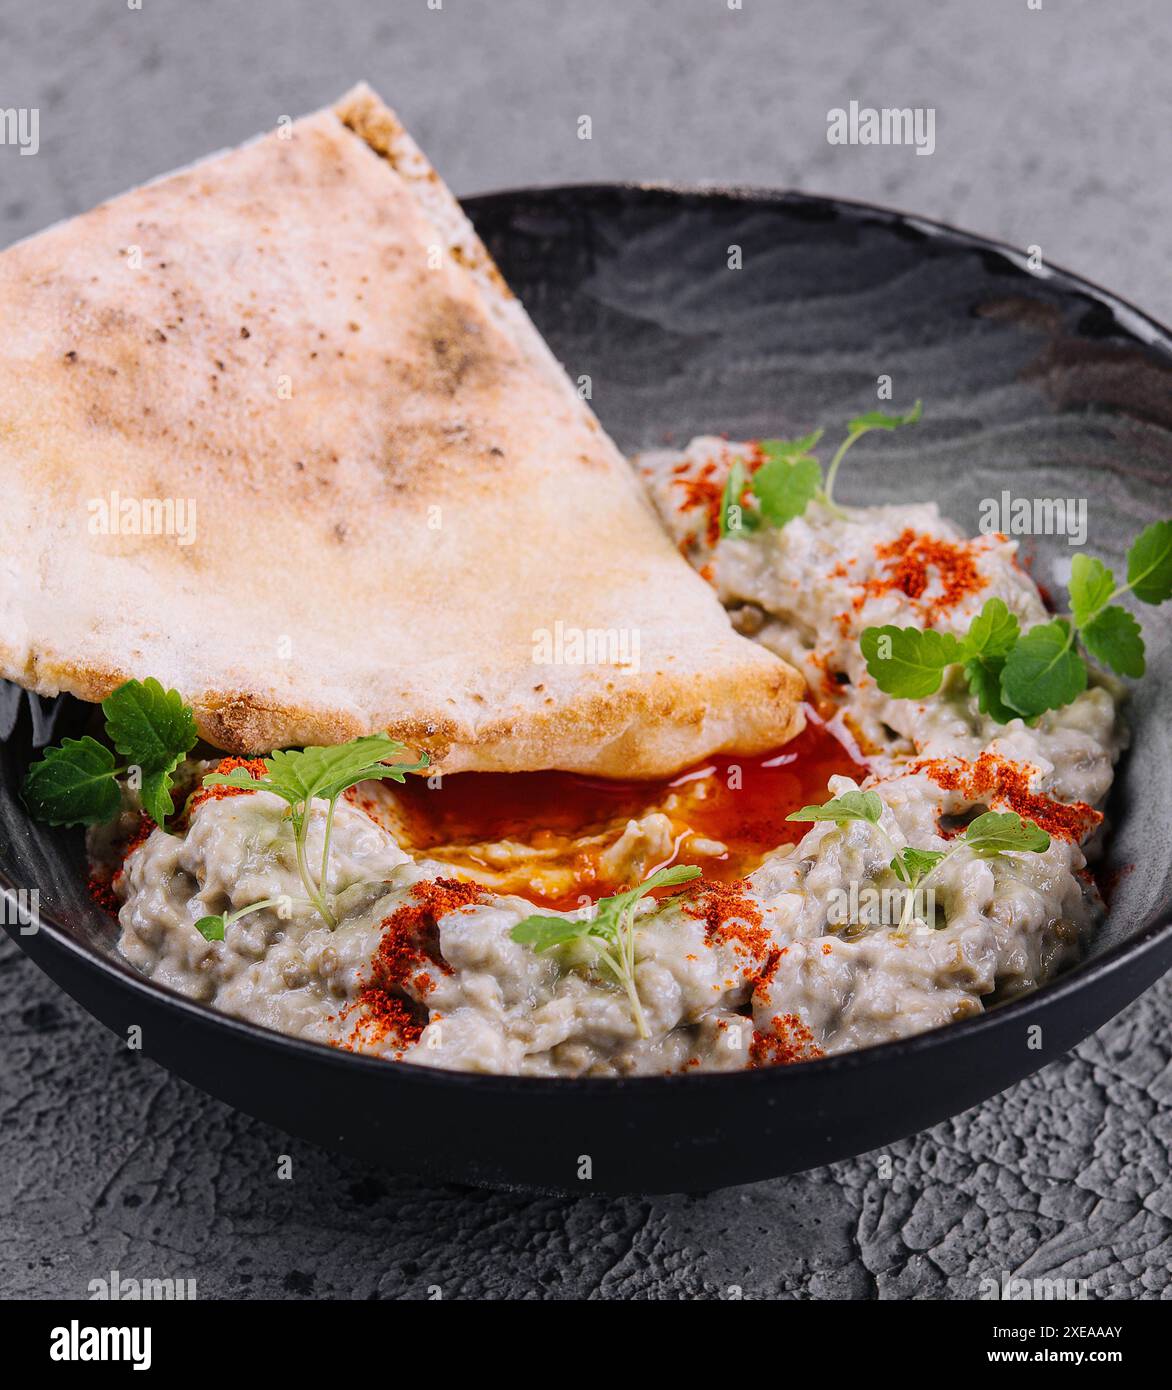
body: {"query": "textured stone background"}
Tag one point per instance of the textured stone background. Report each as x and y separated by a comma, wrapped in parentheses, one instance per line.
(1052, 128)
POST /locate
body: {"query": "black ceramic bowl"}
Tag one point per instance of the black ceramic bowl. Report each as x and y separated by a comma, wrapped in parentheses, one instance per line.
(1037, 383)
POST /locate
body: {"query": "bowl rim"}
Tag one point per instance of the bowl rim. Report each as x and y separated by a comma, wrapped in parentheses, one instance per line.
(1083, 975)
(1136, 321)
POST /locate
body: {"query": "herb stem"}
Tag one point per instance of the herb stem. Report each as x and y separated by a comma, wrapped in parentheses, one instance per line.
(831, 506)
(300, 829)
(230, 917)
(832, 472)
(611, 931)
(906, 917)
(625, 976)
(1112, 596)
(636, 1002)
(321, 773)
(215, 926)
(325, 847)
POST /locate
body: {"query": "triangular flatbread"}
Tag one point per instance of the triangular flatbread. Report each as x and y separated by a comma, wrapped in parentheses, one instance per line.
(404, 516)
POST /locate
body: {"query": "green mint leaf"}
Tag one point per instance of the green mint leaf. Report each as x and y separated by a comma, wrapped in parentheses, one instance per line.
(363, 760)
(787, 450)
(984, 677)
(1113, 637)
(786, 487)
(992, 635)
(1091, 586)
(242, 777)
(849, 806)
(155, 795)
(995, 832)
(149, 726)
(907, 662)
(299, 775)
(663, 878)
(994, 631)
(1149, 563)
(544, 932)
(910, 865)
(611, 910)
(1043, 671)
(153, 729)
(880, 420)
(73, 784)
(735, 517)
(211, 928)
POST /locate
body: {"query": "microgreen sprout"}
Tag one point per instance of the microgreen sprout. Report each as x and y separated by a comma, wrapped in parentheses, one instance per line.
(300, 776)
(1016, 675)
(611, 931)
(989, 834)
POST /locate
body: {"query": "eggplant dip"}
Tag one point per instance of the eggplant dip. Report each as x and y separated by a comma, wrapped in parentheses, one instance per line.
(926, 858)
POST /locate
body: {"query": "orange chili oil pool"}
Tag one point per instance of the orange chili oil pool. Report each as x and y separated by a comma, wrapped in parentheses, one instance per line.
(742, 802)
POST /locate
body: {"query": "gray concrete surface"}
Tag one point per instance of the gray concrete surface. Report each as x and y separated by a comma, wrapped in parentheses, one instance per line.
(1052, 128)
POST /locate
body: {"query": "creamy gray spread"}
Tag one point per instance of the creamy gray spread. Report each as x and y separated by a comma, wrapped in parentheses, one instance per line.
(770, 970)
